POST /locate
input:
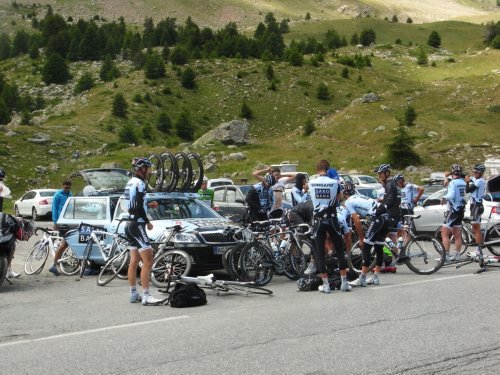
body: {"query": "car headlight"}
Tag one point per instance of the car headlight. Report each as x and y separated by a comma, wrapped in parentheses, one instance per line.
(186, 238)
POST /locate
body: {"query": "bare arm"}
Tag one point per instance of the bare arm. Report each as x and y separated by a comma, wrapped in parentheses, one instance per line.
(420, 191)
(258, 174)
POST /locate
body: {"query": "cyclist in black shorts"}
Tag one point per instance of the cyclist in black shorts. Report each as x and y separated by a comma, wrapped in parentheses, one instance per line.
(135, 192)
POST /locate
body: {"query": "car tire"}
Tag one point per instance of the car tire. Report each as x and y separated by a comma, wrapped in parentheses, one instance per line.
(16, 211)
(34, 214)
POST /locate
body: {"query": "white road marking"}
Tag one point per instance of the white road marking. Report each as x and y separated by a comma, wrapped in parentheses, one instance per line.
(102, 329)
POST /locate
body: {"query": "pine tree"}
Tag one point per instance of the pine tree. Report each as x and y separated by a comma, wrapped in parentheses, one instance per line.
(410, 115)
(154, 67)
(188, 78)
(55, 70)
(246, 111)
(5, 46)
(184, 128)
(434, 40)
(323, 93)
(164, 123)
(5, 114)
(399, 151)
(108, 71)
(120, 106)
(309, 127)
(127, 134)
(86, 82)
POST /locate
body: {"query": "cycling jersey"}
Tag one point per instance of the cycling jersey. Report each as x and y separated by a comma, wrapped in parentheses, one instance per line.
(265, 197)
(324, 191)
(408, 194)
(299, 196)
(455, 196)
(344, 219)
(361, 205)
(391, 201)
(135, 192)
(206, 197)
(476, 187)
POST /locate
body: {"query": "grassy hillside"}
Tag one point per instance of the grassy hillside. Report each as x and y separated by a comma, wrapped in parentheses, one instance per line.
(455, 101)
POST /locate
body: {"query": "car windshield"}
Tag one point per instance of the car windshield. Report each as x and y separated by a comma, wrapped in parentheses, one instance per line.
(173, 209)
(367, 180)
(47, 193)
(372, 193)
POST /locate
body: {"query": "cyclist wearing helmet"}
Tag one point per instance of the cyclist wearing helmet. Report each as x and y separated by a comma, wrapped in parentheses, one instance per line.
(325, 192)
(476, 186)
(135, 193)
(454, 215)
(410, 194)
(386, 216)
(206, 194)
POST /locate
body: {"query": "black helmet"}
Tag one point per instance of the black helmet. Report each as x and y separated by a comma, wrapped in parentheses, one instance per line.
(2, 173)
(141, 162)
(479, 168)
(349, 188)
(270, 180)
(456, 169)
(398, 177)
(382, 168)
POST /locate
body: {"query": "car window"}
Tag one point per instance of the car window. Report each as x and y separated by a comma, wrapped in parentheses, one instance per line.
(372, 193)
(88, 209)
(47, 193)
(219, 195)
(231, 196)
(492, 197)
(367, 179)
(29, 195)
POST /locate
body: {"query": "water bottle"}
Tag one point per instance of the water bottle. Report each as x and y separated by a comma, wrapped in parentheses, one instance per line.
(283, 245)
(493, 259)
(400, 242)
(389, 242)
(275, 249)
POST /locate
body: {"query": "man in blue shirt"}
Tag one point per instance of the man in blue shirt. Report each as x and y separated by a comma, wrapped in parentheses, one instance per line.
(476, 186)
(58, 201)
(455, 201)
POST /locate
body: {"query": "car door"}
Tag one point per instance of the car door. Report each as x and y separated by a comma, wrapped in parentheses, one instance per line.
(26, 203)
(431, 213)
(234, 203)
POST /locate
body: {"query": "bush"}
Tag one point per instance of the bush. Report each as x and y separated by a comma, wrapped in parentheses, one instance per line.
(434, 40)
(409, 117)
(188, 78)
(495, 43)
(184, 127)
(127, 134)
(345, 73)
(154, 67)
(164, 123)
(309, 128)
(109, 71)
(399, 151)
(246, 111)
(120, 106)
(323, 93)
(86, 82)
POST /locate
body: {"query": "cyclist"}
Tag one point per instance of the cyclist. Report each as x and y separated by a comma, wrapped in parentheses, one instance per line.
(410, 195)
(259, 199)
(12, 229)
(476, 186)
(386, 216)
(135, 192)
(206, 194)
(300, 192)
(325, 192)
(278, 182)
(58, 201)
(454, 215)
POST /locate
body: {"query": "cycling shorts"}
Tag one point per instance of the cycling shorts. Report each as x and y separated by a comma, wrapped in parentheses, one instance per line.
(453, 218)
(476, 210)
(136, 234)
(377, 230)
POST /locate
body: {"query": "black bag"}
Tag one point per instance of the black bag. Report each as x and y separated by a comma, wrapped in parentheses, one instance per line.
(187, 295)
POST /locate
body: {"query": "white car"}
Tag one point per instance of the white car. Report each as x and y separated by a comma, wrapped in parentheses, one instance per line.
(213, 182)
(361, 179)
(35, 203)
(432, 211)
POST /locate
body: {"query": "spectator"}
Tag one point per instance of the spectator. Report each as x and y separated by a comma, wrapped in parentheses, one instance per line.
(206, 194)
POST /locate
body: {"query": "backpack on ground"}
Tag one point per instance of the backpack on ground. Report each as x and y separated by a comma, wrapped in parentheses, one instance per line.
(187, 295)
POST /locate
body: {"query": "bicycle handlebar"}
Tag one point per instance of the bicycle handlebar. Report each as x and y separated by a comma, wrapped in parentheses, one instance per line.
(45, 230)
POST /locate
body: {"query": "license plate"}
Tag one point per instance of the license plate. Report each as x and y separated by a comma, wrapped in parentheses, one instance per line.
(219, 249)
(84, 233)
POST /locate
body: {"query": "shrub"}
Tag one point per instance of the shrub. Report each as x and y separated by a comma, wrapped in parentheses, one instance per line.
(86, 82)
(434, 40)
(309, 128)
(120, 106)
(188, 78)
(127, 134)
(246, 111)
(322, 92)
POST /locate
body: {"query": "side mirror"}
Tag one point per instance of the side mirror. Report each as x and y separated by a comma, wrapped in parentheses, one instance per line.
(124, 216)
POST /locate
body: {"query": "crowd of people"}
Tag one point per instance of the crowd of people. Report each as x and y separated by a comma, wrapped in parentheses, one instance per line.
(334, 208)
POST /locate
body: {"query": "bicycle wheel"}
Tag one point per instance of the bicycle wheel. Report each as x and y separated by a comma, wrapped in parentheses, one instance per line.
(69, 263)
(36, 258)
(185, 171)
(197, 169)
(425, 255)
(246, 288)
(467, 240)
(85, 261)
(355, 258)
(256, 263)
(172, 262)
(296, 261)
(113, 267)
(156, 177)
(170, 171)
(493, 234)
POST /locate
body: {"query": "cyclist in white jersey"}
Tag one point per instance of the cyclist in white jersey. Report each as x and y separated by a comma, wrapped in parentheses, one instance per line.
(410, 194)
(140, 250)
(325, 192)
(476, 186)
(455, 200)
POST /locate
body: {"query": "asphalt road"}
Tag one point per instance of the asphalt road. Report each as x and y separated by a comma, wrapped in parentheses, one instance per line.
(445, 323)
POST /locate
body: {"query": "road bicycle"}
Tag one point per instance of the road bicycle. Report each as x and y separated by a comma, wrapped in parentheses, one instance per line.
(210, 282)
(266, 255)
(50, 241)
(96, 239)
(423, 254)
(168, 259)
(468, 239)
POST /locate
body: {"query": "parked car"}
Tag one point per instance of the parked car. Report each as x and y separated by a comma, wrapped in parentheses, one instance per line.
(432, 211)
(367, 190)
(213, 182)
(203, 235)
(35, 203)
(229, 201)
(361, 179)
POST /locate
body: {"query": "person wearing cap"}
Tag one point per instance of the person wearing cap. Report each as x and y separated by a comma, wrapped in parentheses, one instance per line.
(206, 194)
(455, 201)
(476, 187)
